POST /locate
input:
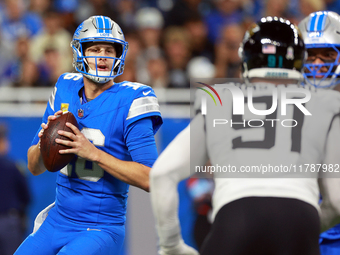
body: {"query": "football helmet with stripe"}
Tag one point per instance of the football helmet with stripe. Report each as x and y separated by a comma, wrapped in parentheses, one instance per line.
(93, 30)
(321, 34)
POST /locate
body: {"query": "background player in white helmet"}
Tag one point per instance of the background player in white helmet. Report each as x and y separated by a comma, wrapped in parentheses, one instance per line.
(114, 147)
(277, 215)
(321, 34)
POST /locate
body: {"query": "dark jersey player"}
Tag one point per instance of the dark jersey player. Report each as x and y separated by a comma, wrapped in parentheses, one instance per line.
(273, 212)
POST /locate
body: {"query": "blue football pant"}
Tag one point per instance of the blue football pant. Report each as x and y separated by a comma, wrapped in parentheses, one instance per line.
(53, 238)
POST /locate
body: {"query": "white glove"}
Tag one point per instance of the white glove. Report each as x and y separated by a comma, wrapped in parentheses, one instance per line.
(180, 249)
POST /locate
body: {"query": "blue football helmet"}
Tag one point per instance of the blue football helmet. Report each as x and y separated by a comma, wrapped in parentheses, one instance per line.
(99, 29)
(321, 33)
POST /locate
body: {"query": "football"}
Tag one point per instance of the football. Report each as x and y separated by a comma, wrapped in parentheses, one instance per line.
(53, 160)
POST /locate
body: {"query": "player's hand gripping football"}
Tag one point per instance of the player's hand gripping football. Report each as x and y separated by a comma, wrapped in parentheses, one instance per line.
(179, 249)
(45, 125)
(80, 145)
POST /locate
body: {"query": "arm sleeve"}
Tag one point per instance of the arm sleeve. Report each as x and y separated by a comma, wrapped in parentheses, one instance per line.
(49, 111)
(171, 167)
(329, 182)
(144, 105)
(141, 142)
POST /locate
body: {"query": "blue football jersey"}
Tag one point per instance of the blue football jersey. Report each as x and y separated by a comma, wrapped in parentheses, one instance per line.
(85, 192)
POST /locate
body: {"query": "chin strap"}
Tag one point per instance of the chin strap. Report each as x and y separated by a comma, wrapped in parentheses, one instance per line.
(99, 73)
(92, 74)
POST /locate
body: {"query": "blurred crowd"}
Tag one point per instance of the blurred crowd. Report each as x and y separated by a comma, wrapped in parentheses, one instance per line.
(170, 41)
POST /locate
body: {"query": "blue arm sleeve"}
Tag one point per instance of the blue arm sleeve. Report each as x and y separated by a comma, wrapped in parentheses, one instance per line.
(141, 142)
(47, 113)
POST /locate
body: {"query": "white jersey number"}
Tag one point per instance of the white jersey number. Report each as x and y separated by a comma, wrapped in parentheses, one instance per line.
(87, 170)
(133, 85)
(73, 76)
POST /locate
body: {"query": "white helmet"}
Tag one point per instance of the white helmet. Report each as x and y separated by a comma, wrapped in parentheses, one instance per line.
(99, 29)
(322, 30)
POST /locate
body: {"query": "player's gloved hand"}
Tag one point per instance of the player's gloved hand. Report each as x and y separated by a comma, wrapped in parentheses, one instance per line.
(180, 249)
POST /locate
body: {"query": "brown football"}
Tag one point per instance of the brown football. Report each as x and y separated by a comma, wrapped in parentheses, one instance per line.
(53, 160)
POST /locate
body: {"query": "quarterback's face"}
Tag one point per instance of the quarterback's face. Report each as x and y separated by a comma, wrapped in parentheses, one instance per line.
(101, 51)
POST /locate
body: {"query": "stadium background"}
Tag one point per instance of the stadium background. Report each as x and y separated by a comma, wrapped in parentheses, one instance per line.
(174, 41)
